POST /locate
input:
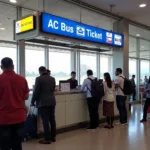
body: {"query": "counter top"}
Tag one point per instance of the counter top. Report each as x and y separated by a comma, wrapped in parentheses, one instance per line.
(64, 93)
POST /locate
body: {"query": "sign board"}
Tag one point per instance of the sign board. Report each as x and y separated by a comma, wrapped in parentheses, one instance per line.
(24, 25)
(65, 87)
(64, 27)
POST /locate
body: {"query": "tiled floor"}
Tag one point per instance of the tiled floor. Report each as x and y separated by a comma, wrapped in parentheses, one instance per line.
(136, 136)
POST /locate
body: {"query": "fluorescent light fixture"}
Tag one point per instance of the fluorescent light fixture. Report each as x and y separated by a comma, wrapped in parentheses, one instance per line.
(137, 35)
(13, 1)
(142, 5)
(2, 29)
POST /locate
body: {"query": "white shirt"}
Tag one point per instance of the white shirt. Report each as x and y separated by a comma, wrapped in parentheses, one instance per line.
(86, 86)
(120, 81)
(109, 92)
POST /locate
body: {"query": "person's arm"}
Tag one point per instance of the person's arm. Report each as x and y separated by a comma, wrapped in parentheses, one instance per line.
(146, 89)
(84, 85)
(36, 91)
(26, 95)
(54, 85)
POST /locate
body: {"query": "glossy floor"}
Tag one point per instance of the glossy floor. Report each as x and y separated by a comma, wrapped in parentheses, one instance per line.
(136, 136)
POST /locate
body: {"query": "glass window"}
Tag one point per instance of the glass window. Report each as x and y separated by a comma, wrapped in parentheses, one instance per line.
(132, 47)
(132, 68)
(87, 61)
(60, 64)
(105, 66)
(144, 65)
(8, 50)
(144, 49)
(34, 57)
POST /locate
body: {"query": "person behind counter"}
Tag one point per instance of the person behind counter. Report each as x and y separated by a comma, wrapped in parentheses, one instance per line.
(48, 72)
(44, 97)
(13, 93)
(73, 82)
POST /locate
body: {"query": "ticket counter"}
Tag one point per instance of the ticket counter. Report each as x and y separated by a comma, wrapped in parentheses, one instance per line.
(71, 110)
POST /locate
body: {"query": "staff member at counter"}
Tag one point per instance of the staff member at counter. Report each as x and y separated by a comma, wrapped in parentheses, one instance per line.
(73, 82)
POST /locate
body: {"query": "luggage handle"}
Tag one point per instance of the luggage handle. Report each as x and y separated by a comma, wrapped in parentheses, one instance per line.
(29, 111)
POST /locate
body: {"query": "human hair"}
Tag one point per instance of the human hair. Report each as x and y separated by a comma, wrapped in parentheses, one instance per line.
(73, 72)
(42, 69)
(108, 79)
(7, 63)
(48, 71)
(89, 72)
(119, 70)
(133, 76)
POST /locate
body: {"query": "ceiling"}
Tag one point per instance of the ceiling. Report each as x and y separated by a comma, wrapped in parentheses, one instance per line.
(127, 8)
(70, 11)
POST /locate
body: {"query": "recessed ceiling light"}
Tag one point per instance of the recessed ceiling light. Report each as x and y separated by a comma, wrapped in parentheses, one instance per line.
(137, 35)
(142, 5)
(13, 1)
(2, 29)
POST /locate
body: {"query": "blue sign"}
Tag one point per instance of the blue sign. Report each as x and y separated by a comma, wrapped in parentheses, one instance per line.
(64, 27)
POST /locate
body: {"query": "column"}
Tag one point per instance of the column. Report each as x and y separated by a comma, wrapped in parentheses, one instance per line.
(98, 64)
(73, 61)
(121, 56)
(20, 49)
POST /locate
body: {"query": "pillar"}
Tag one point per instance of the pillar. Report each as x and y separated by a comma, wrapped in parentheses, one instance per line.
(121, 56)
(20, 49)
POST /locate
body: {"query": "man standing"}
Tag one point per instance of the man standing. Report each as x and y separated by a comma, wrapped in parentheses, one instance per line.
(13, 93)
(44, 97)
(73, 82)
(133, 87)
(92, 102)
(121, 97)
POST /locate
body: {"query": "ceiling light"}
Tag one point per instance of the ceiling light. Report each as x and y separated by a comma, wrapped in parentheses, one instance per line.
(142, 5)
(2, 29)
(137, 35)
(13, 1)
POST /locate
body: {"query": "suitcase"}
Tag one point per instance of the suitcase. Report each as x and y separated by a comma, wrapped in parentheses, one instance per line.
(30, 127)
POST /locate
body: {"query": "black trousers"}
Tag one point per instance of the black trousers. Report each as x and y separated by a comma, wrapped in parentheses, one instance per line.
(146, 106)
(134, 94)
(121, 104)
(49, 123)
(11, 136)
(93, 106)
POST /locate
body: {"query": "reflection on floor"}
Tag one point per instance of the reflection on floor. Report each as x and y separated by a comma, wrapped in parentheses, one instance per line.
(136, 136)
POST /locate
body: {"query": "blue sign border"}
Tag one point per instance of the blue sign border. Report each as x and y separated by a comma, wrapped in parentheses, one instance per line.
(102, 36)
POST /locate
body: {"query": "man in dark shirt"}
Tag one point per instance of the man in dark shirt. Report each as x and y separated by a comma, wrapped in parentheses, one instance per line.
(73, 81)
(13, 93)
(44, 97)
(133, 87)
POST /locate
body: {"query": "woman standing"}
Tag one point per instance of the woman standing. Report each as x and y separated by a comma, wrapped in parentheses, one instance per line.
(147, 103)
(108, 100)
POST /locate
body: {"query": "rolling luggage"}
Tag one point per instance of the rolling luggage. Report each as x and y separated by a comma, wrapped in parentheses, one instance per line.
(30, 125)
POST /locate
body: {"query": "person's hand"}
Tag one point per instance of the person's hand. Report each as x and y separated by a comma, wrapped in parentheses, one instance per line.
(116, 85)
(32, 105)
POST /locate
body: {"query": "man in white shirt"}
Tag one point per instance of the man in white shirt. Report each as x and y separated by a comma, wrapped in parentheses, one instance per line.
(121, 97)
(93, 103)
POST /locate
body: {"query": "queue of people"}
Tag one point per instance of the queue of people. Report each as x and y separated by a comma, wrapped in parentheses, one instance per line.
(14, 91)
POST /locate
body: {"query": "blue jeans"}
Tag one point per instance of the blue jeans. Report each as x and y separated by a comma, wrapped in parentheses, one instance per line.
(49, 123)
(121, 104)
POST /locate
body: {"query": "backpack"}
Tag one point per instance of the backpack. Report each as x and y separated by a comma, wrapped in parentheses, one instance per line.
(97, 88)
(128, 87)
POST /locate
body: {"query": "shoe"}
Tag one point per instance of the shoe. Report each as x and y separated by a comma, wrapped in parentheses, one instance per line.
(123, 124)
(44, 142)
(107, 127)
(91, 129)
(112, 126)
(143, 120)
(53, 140)
(118, 124)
